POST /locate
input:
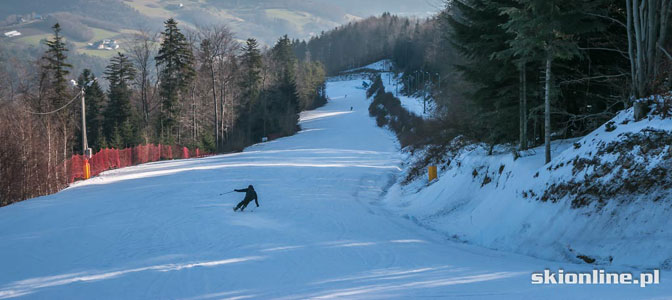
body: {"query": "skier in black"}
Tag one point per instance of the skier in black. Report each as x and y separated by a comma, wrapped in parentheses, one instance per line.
(250, 195)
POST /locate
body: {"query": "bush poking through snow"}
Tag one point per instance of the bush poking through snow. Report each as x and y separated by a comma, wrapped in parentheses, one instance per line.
(588, 260)
(634, 164)
(375, 88)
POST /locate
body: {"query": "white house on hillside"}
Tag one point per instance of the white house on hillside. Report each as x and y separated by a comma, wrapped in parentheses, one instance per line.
(105, 45)
(12, 33)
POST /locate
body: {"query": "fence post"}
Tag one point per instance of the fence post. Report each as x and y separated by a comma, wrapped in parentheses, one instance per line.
(432, 173)
(87, 169)
(118, 156)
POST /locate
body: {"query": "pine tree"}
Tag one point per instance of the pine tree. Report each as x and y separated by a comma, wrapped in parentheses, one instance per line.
(547, 29)
(176, 60)
(120, 73)
(475, 31)
(251, 87)
(57, 67)
(310, 79)
(54, 72)
(286, 105)
(116, 140)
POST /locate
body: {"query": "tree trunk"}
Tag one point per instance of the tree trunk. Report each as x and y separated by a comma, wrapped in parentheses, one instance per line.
(49, 162)
(223, 128)
(664, 17)
(631, 55)
(646, 25)
(525, 139)
(65, 153)
(523, 107)
(143, 95)
(520, 106)
(193, 114)
(639, 64)
(547, 111)
(215, 106)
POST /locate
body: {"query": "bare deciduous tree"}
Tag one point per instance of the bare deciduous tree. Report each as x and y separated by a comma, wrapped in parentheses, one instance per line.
(216, 46)
(142, 48)
(647, 22)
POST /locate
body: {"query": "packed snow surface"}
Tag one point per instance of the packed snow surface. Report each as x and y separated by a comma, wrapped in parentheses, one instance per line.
(163, 231)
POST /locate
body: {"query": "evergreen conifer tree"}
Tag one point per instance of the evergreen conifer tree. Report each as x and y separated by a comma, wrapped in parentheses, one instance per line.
(176, 62)
(251, 87)
(120, 73)
(547, 29)
(57, 67)
(286, 105)
(475, 31)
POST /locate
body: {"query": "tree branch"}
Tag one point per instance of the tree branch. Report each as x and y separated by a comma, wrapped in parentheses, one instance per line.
(603, 49)
(608, 18)
(664, 51)
(591, 78)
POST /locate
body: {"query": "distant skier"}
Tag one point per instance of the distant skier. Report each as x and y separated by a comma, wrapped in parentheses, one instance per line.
(250, 195)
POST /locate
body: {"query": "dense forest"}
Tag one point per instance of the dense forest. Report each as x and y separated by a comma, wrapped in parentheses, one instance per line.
(199, 89)
(518, 72)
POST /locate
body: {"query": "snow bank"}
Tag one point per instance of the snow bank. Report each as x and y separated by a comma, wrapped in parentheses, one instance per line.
(582, 207)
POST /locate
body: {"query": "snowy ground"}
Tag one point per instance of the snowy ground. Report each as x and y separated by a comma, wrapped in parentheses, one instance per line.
(494, 200)
(162, 231)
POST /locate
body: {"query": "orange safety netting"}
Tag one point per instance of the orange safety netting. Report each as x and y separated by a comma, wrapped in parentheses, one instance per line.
(107, 159)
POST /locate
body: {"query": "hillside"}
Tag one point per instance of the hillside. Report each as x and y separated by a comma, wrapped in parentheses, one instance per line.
(89, 21)
(604, 199)
(86, 24)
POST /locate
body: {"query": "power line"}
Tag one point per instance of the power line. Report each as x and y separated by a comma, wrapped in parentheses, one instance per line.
(57, 110)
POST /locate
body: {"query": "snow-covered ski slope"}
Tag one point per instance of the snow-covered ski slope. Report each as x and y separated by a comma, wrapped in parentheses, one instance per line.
(161, 230)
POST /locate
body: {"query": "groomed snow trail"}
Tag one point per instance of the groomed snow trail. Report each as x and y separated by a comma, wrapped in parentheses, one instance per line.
(161, 230)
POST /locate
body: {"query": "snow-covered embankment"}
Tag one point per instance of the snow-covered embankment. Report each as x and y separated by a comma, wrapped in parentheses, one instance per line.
(604, 198)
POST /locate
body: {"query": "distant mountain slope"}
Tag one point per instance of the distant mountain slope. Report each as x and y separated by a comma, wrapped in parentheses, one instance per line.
(113, 11)
(265, 20)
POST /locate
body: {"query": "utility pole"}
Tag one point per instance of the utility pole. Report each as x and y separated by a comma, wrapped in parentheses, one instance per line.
(86, 151)
(85, 142)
